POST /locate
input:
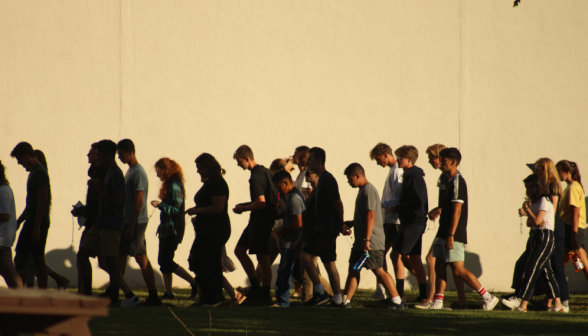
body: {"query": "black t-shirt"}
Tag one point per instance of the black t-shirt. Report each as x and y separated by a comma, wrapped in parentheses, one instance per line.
(457, 191)
(327, 192)
(442, 185)
(308, 217)
(92, 200)
(215, 186)
(258, 186)
(38, 178)
(111, 217)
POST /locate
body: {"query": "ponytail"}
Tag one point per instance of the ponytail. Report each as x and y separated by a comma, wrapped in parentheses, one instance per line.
(572, 168)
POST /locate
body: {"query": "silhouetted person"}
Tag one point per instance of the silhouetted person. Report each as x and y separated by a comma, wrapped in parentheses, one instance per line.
(7, 232)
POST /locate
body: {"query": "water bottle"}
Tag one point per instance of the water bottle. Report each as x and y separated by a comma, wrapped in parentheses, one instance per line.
(578, 265)
(361, 262)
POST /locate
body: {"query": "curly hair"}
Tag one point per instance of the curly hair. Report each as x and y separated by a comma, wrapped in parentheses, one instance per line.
(170, 171)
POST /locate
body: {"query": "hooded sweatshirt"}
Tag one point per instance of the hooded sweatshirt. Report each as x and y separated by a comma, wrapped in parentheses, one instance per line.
(413, 203)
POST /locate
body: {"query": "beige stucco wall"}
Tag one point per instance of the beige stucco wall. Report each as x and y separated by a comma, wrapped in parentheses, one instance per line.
(506, 85)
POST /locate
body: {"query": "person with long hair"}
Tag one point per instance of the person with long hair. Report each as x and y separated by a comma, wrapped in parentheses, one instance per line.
(172, 226)
(7, 232)
(573, 210)
(213, 229)
(541, 219)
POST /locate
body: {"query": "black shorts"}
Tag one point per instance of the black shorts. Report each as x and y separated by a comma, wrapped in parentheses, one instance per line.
(256, 237)
(375, 261)
(167, 251)
(323, 246)
(409, 240)
(568, 236)
(25, 244)
(138, 246)
(391, 232)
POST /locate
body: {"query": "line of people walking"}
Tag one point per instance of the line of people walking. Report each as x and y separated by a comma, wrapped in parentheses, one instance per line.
(298, 218)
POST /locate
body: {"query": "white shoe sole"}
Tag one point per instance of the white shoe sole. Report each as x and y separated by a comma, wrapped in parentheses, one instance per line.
(491, 304)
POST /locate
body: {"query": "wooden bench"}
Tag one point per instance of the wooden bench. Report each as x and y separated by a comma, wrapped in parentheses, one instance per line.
(48, 312)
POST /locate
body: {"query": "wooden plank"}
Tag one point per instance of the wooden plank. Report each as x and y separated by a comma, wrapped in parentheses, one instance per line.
(44, 311)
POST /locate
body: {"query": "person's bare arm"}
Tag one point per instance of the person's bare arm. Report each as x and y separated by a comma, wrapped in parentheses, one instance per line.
(306, 192)
(258, 204)
(115, 199)
(295, 225)
(218, 205)
(370, 219)
(575, 227)
(136, 213)
(339, 211)
(535, 220)
(21, 218)
(454, 223)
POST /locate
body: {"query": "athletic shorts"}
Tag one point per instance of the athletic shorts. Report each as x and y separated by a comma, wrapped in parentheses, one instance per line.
(25, 244)
(375, 261)
(167, 251)
(409, 240)
(256, 237)
(391, 232)
(323, 246)
(102, 243)
(138, 246)
(456, 254)
(579, 236)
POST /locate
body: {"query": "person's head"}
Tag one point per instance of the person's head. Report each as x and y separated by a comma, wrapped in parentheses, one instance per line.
(168, 170)
(434, 156)
(244, 157)
(283, 181)
(105, 151)
(382, 154)
(41, 158)
(92, 154)
(545, 169)
(24, 155)
(450, 159)
(535, 187)
(3, 179)
(126, 150)
(300, 156)
(282, 164)
(311, 177)
(569, 171)
(355, 175)
(407, 156)
(208, 167)
(316, 158)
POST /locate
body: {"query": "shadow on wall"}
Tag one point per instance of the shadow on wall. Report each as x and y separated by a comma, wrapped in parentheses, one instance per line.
(64, 262)
(472, 264)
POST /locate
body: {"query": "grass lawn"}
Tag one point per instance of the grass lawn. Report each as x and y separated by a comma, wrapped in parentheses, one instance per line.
(368, 317)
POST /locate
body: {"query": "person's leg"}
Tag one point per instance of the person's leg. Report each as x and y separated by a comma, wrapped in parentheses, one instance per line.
(7, 269)
(421, 276)
(432, 276)
(41, 270)
(398, 271)
(122, 263)
(168, 282)
(182, 273)
(61, 281)
(331, 268)
(387, 281)
(352, 283)
(266, 272)
(146, 271)
(200, 263)
(541, 248)
(285, 270)
(441, 284)
(247, 264)
(460, 288)
(310, 267)
(85, 270)
(114, 273)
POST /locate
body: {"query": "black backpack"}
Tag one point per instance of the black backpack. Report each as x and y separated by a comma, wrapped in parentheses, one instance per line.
(273, 203)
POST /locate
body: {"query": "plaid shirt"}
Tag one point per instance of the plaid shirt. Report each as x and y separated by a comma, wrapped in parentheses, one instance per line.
(170, 206)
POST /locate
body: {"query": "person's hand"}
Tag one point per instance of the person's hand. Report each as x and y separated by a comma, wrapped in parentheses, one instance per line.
(191, 211)
(525, 206)
(94, 183)
(193, 219)
(346, 230)
(542, 224)
(393, 210)
(155, 204)
(433, 214)
(36, 234)
(129, 234)
(450, 243)
(366, 246)
(522, 212)
(238, 209)
(279, 231)
(75, 211)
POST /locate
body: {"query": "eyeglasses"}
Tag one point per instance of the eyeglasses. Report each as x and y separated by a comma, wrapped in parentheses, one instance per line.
(400, 158)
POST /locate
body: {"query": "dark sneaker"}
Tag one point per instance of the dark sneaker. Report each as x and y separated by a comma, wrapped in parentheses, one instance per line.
(347, 305)
(168, 296)
(153, 302)
(317, 300)
(332, 304)
(194, 292)
(401, 305)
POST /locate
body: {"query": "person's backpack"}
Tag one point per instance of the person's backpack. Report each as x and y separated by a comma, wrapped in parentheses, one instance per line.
(273, 203)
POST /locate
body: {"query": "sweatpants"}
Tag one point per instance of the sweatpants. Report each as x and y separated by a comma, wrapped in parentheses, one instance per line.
(538, 266)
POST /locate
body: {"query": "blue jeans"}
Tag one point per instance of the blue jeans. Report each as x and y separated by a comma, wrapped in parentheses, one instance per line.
(287, 263)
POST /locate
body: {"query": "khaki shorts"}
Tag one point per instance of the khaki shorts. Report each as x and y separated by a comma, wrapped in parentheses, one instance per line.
(102, 243)
(456, 254)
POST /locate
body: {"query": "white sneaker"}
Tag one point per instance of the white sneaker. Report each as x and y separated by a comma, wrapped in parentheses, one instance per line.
(489, 305)
(131, 302)
(378, 295)
(512, 302)
(425, 304)
(566, 309)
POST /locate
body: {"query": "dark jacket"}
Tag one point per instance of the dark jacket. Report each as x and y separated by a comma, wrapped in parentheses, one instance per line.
(90, 210)
(413, 203)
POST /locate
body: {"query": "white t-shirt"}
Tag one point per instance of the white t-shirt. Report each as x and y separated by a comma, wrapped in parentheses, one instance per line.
(7, 229)
(544, 205)
(391, 194)
(301, 183)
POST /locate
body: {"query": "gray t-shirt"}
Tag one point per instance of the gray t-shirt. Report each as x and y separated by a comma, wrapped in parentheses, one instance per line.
(295, 205)
(368, 199)
(136, 180)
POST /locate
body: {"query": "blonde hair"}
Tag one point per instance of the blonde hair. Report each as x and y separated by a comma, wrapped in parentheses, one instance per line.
(552, 181)
(435, 149)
